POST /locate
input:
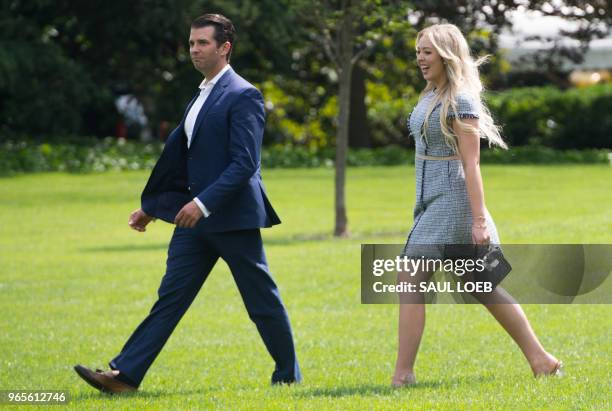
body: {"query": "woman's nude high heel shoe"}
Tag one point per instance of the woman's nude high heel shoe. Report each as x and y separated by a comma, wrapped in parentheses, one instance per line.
(557, 371)
(408, 379)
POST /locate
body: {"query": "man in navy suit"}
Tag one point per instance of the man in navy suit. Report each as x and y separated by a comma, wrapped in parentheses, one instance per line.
(207, 182)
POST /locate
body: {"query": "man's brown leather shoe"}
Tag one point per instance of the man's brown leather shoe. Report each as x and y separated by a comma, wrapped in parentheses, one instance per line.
(104, 381)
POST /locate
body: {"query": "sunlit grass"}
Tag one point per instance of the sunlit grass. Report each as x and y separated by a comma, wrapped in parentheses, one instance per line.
(75, 281)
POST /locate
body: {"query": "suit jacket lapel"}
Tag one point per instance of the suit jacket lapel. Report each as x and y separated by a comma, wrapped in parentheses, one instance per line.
(182, 123)
(214, 95)
(189, 107)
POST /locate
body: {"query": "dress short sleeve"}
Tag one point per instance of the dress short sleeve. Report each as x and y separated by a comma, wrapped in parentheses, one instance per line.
(467, 107)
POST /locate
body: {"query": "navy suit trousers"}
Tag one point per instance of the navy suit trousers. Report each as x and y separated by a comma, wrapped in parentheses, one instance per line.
(191, 256)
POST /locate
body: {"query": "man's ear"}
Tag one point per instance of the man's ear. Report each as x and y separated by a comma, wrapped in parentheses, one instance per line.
(227, 46)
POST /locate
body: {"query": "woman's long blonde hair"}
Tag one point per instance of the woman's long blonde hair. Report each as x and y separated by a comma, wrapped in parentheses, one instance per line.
(462, 76)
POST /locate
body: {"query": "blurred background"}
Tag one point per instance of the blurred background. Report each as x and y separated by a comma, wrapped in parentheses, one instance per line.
(73, 73)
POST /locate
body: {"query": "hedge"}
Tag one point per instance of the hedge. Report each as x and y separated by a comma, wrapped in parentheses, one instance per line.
(576, 118)
(92, 155)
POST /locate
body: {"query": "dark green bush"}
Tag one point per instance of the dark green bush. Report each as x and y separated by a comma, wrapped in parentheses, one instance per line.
(544, 155)
(546, 116)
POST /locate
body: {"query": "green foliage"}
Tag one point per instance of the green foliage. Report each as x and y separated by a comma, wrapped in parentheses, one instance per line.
(77, 155)
(545, 155)
(388, 108)
(576, 118)
(41, 91)
(284, 110)
(63, 63)
(94, 155)
(538, 116)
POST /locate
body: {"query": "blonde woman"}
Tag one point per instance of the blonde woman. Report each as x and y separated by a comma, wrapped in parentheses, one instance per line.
(447, 124)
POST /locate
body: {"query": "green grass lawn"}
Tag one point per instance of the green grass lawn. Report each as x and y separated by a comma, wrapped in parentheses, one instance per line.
(75, 281)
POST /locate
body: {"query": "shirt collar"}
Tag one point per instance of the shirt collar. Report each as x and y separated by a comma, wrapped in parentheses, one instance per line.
(216, 78)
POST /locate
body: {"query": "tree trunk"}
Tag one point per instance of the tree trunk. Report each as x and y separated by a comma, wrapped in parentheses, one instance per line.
(344, 100)
(359, 129)
(341, 229)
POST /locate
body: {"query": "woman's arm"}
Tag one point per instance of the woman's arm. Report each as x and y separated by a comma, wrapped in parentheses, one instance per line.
(469, 151)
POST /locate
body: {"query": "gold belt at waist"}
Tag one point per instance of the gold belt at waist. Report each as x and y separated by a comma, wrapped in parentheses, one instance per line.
(424, 157)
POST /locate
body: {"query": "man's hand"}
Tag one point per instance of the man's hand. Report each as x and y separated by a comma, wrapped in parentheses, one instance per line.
(188, 216)
(139, 220)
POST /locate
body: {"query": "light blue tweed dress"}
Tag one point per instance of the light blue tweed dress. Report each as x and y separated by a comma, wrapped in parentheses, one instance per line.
(442, 213)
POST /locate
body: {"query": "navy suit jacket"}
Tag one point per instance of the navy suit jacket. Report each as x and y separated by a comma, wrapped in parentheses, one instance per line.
(221, 166)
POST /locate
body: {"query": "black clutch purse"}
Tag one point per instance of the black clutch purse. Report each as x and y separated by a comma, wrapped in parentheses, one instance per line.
(496, 267)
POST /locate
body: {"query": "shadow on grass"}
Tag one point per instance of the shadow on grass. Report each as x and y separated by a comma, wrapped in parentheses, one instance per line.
(125, 248)
(288, 240)
(378, 389)
(97, 395)
(327, 236)
(301, 392)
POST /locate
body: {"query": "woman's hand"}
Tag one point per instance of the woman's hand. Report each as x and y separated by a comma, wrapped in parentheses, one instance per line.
(480, 235)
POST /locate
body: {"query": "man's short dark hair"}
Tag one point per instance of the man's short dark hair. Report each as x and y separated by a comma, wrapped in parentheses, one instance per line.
(224, 29)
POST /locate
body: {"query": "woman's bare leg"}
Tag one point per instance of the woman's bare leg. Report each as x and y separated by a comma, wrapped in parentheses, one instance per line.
(512, 318)
(410, 328)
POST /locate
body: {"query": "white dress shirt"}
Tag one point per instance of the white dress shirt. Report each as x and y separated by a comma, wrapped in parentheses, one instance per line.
(205, 88)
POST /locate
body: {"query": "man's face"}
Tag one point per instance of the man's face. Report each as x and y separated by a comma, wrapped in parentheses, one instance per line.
(204, 50)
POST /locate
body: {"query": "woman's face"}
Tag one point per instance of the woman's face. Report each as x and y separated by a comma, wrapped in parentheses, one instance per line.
(429, 61)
